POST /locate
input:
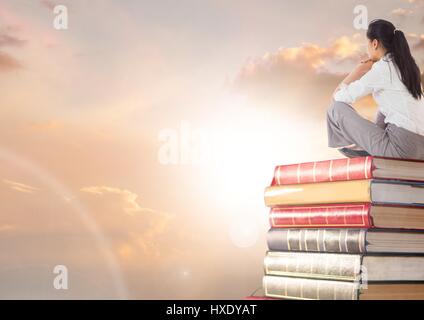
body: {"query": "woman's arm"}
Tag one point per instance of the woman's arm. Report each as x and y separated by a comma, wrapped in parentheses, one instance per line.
(357, 73)
(366, 78)
(360, 70)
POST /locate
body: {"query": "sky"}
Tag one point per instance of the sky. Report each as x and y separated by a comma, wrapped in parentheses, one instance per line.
(136, 144)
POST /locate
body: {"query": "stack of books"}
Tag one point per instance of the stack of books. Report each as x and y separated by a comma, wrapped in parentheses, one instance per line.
(346, 229)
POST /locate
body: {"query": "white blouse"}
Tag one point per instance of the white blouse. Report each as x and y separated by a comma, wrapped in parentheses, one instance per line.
(393, 98)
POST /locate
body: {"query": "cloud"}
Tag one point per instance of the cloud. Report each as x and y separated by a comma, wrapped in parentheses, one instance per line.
(401, 12)
(7, 227)
(419, 45)
(146, 243)
(48, 4)
(143, 230)
(21, 187)
(301, 78)
(8, 63)
(415, 1)
(10, 41)
(129, 198)
(47, 125)
(416, 41)
(309, 55)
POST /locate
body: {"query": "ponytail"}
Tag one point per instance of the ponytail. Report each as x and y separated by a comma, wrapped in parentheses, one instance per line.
(408, 68)
(394, 41)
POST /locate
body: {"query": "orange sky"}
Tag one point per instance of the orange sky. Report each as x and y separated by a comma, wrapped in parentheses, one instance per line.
(135, 146)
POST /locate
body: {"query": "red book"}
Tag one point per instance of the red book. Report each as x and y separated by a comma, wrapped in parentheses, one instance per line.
(348, 215)
(349, 169)
(328, 216)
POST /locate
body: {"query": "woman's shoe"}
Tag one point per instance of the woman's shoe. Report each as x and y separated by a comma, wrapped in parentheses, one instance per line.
(353, 153)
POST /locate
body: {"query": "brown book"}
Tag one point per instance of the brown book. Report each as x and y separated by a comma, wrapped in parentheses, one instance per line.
(312, 289)
(347, 267)
(346, 240)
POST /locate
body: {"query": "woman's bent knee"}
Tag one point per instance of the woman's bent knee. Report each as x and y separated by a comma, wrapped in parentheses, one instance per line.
(336, 108)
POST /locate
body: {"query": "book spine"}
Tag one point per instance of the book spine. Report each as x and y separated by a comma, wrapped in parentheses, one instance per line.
(332, 266)
(357, 191)
(324, 171)
(321, 216)
(318, 240)
(309, 289)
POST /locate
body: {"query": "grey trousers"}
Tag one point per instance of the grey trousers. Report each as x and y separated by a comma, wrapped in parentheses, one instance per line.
(346, 127)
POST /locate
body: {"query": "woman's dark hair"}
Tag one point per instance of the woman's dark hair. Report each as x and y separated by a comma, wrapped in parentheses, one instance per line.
(394, 42)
